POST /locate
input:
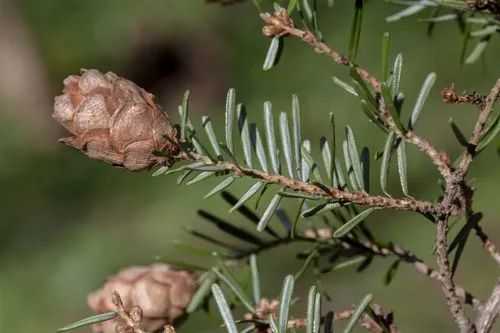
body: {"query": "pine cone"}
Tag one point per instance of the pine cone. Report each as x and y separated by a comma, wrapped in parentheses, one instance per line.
(159, 291)
(113, 120)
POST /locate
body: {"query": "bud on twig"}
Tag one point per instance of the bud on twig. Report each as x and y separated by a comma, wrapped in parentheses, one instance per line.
(153, 296)
(113, 120)
(450, 96)
(276, 24)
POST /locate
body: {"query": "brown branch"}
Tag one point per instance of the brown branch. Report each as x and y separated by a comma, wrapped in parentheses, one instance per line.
(457, 198)
(490, 311)
(359, 198)
(488, 244)
(447, 283)
(450, 96)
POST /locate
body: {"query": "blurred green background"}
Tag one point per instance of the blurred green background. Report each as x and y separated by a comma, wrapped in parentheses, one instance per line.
(68, 222)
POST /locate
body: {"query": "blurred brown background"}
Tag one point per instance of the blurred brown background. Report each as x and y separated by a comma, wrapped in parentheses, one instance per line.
(67, 222)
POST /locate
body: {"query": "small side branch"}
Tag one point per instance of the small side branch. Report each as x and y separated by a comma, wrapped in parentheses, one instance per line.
(478, 131)
(488, 244)
(359, 198)
(468, 155)
(320, 191)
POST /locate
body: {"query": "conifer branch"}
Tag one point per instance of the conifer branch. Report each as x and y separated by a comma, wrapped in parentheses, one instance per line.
(454, 200)
(281, 24)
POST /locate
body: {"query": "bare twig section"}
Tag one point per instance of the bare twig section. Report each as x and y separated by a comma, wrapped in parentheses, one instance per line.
(450, 96)
(447, 283)
(488, 244)
(457, 198)
(490, 311)
(280, 24)
(440, 159)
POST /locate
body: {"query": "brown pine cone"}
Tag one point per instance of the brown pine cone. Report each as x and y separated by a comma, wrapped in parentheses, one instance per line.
(113, 120)
(159, 291)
